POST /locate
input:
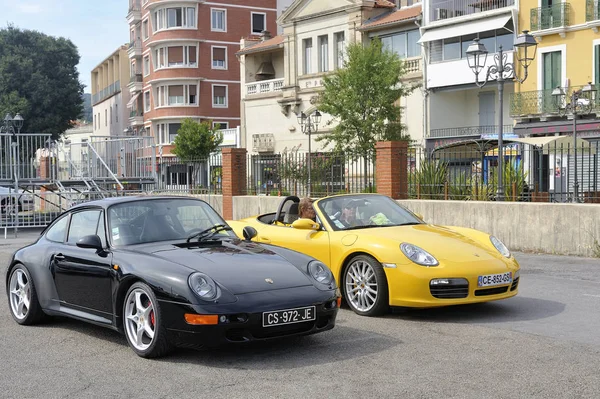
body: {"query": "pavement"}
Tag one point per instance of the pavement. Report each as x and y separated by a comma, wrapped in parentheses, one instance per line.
(543, 343)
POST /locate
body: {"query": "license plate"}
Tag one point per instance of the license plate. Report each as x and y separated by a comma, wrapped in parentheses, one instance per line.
(491, 280)
(289, 316)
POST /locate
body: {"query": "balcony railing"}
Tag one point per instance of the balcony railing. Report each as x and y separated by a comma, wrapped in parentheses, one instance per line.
(554, 16)
(592, 10)
(264, 86)
(445, 9)
(413, 65)
(136, 113)
(106, 92)
(135, 44)
(137, 78)
(135, 6)
(543, 103)
(468, 131)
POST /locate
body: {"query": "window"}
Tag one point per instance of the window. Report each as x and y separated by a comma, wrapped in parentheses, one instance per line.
(219, 57)
(167, 132)
(146, 101)
(404, 44)
(83, 224)
(175, 57)
(58, 230)
(456, 48)
(145, 29)
(94, 122)
(173, 129)
(259, 22)
(101, 230)
(323, 54)
(218, 20)
(221, 125)
(597, 64)
(176, 95)
(219, 96)
(117, 113)
(146, 65)
(105, 117)
(174, 17)
(339, 49)
(307, 45)
(111, 115)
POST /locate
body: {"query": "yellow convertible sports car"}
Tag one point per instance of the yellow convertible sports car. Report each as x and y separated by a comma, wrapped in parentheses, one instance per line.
(383, 255)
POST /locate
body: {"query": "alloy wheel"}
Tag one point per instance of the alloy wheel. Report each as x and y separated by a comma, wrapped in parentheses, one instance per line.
(20, 294)
(140, 322)
(361, 285)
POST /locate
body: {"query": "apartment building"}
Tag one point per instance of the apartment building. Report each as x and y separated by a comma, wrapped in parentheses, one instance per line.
(183, 63)
(457, 109)
(109, 94)
(282, 74)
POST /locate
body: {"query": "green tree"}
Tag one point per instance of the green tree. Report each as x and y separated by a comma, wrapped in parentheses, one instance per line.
(362, 99)
(39, 79)
(196, 140)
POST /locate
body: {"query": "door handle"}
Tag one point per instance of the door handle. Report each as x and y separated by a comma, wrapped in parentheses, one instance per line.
(59, 257)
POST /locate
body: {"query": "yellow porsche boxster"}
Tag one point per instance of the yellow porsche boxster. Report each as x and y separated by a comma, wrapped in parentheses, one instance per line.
(383, 255)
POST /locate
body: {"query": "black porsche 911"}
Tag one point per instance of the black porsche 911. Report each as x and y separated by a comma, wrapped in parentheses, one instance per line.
(168, 271)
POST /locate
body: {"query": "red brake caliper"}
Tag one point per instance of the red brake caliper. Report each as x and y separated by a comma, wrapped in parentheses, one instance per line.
(151, 314)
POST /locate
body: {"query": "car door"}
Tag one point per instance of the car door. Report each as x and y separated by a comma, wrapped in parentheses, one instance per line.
(83, 277)
(313, 243)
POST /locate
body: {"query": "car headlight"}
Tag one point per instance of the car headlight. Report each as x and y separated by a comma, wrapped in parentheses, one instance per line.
(320, 272)
(203, 286)
(500, 247)
(418, 255)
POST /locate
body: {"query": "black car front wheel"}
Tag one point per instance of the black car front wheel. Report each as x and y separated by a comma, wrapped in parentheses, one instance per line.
(22, 297)
(142, 321)
(365, 286)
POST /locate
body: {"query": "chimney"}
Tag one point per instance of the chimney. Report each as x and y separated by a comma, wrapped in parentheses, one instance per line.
(266, 35)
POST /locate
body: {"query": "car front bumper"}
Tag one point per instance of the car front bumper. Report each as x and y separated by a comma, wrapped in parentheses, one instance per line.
(244, 318)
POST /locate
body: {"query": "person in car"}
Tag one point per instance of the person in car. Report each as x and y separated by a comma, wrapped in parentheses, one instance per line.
(306, 210)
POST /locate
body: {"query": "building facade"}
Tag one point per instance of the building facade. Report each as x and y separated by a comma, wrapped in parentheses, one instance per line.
(109, 94)
(183, 64)
(456, 108)
(282, 75)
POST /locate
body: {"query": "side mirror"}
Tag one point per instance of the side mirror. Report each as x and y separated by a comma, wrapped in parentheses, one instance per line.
(91, 241)
(305, 224)
(249, 233)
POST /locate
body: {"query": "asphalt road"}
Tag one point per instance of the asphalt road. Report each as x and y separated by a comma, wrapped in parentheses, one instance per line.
(544, 343)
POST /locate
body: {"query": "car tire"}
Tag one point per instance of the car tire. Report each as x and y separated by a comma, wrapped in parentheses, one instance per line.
(23, 301)
(141, 310)
(365, 286)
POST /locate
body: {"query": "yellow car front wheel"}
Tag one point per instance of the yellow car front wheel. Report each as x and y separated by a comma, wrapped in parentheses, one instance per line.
(365, 286)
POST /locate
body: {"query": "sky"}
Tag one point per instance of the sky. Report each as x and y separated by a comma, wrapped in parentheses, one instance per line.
(97, 28)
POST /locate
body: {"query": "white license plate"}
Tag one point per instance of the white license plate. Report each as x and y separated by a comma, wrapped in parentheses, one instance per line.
(289, 316)
(491, 280)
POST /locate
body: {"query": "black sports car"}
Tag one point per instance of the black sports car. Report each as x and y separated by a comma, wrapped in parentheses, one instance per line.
(168, 271)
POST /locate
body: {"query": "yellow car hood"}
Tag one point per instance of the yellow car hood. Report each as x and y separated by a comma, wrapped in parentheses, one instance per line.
(441, 242)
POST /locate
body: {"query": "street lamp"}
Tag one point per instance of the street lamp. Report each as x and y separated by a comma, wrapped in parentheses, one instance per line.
(309, 124)
(501, 71)
(9, 126)
(581, 104)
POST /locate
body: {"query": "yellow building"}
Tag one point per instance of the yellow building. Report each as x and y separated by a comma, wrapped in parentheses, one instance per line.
(568, 56)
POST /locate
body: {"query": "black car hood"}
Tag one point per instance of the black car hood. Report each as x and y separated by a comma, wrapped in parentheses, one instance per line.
(238, 266)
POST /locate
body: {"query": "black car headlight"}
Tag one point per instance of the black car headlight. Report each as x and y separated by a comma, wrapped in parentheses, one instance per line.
(500, 247)
(320, 272)
(418, 255)
(203, 286)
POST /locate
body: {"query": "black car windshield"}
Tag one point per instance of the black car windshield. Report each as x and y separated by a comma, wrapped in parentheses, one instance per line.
(154, 220)
(350, 212)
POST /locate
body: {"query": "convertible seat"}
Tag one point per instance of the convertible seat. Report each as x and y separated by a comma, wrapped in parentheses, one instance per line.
(292, 214)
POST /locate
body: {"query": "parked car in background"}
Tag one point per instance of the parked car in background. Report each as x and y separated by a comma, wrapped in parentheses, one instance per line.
(9, 199)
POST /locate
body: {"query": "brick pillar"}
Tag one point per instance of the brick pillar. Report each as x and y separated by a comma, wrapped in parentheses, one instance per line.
(234, 178)
(391, 169)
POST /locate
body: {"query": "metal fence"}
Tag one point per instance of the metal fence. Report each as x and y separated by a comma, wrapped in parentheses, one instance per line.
(200, 176)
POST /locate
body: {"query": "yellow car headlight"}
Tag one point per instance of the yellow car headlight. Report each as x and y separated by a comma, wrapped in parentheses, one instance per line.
(500, 247)
(418, 255)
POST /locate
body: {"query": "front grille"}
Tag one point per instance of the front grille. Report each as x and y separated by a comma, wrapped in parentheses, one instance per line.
(491, 291)
(514, 284)
(278, 331)
(449, 291)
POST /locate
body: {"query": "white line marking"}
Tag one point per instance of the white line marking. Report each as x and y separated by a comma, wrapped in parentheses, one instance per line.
(595, 296)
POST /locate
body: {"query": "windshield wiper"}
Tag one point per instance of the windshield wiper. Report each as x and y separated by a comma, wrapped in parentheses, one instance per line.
(206, 233)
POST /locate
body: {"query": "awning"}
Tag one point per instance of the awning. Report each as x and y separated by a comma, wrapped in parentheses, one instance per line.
(465, 28)
(557, 144)
(132, 101)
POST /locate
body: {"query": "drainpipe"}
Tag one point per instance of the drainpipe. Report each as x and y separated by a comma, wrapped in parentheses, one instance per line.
(424, 91)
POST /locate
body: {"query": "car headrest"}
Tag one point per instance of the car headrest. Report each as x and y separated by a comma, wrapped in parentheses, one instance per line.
(292, 214)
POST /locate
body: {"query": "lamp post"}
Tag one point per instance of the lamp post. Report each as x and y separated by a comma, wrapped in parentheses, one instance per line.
(578, 105)
(501, 71)
(9, 126)
(309, 124)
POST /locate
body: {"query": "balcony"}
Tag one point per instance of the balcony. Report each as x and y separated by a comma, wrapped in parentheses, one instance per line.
(136, 83)
(135, 12)
(445, 9)
(264, 142)
(264, 87)
(231, 137)
(413, 68)
(106, 92)
(135, 48)
(552, 19)
(136, 117)
(469, 131)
